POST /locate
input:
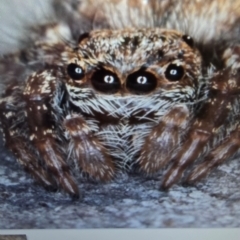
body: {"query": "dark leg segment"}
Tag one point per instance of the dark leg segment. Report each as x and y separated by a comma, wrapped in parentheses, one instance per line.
(20, 146)
(38, 95)
(223, 96)
(220, 154)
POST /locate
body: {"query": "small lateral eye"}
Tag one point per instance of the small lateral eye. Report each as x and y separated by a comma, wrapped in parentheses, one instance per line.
(141, 82)
(188, 40)
(105, 81)
(83, 36)
(174, 72)
(75, 71)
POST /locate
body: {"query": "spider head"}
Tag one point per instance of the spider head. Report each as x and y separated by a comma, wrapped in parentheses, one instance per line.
(122, 65)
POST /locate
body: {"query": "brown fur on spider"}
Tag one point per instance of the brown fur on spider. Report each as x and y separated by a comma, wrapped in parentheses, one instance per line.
(132, 96)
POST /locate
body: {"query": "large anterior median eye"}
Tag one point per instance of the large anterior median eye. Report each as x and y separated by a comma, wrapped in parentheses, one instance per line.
(174, 72)
(105, 81)
(141, 82)
(75, 71)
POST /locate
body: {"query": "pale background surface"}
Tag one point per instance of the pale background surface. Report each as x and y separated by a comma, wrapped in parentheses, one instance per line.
(15, 15)
(132, 201)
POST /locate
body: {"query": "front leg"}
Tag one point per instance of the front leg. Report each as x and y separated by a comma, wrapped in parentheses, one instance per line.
(214, 124)
(16, 140)
(41, 93)
(214, 135)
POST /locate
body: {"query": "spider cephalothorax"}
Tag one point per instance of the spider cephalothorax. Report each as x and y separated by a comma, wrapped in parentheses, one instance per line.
(118, 98)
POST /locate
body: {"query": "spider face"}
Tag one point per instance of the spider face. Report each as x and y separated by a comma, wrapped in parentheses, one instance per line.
(123, 68)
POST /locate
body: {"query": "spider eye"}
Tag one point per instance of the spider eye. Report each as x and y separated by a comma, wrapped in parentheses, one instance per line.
(174, 72)
(188, 40)
(75, 71)
(141, 82)
(105, 81)
(83, 36)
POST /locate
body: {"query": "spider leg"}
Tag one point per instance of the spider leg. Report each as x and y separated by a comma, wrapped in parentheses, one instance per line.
(90, 155)
(56, 165)
(163, 140)
(19, 145)
(221, 153)
(25, 158)
(231, 145)
(39, 94)
(222, 101)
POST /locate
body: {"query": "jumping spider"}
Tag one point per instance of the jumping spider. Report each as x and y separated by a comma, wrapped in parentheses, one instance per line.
(137, 97)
